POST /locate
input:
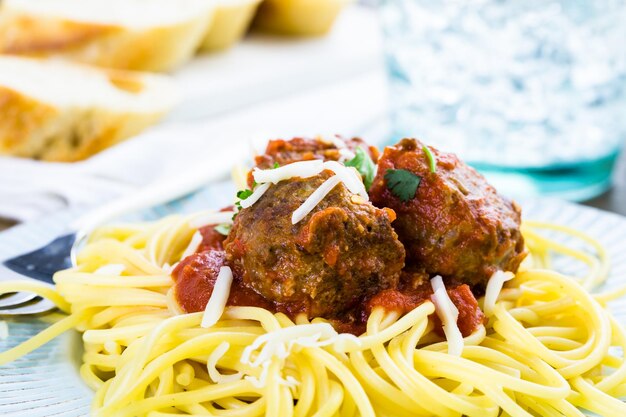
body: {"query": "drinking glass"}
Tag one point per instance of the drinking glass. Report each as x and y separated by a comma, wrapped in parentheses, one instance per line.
(530, 92)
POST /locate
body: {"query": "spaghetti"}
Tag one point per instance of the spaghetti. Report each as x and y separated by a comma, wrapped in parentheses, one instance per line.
(549, 347)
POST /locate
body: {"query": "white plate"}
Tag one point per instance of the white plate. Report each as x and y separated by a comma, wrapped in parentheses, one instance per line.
(46, 382)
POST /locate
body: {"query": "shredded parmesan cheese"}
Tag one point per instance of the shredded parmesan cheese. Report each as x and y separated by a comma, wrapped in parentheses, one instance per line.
(217, 302)
(344, 151)
(255, 196)
(194, 244)
(216, 217)
(337, 142)
(261, 381)
(111, 269)
(302, 169)
(349, 176)
(211, 364)
(281, 342)
(448, 313)
(314, 199)
(494, 286)
(345, 154)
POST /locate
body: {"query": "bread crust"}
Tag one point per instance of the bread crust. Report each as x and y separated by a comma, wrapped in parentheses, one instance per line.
(230, 24)
(150, 49)
(20, 120)
(298, 17)
(32, 129)
(32, 35)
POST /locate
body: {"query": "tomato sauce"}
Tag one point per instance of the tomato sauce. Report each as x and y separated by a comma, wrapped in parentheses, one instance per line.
(195, 278)
(470, 315)
(211, 239)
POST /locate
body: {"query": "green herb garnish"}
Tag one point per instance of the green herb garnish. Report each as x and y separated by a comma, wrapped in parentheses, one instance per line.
(431, 158)
(402, 183)
(243, 194)
(364, 164)
(276, 165)
(223, 229)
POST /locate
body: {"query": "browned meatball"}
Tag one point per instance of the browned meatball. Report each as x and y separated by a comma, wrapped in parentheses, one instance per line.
(456, 225)
(340, 253)
(283, 152)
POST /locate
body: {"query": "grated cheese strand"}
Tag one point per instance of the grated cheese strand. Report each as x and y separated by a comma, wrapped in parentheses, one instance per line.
(349, 176)
(449, 314)
(337, 142)
(494, 287)
(346, 154)
(217, 302)
(302, 169)
(314, 199)
(255, 196)
(261, 381)
(279, 343)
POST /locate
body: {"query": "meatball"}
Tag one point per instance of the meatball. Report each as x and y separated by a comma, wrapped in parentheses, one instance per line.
(283, 152)
(340, 253)
(456, 225)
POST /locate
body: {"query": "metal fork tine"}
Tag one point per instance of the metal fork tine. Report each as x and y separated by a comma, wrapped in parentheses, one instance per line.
(39, 306)
(15, 304)
(16, 299)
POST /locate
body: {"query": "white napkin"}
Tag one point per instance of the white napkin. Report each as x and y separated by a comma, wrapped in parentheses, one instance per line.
(29, 189)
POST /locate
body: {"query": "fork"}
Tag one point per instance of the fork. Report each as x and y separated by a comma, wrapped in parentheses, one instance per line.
(42, 263)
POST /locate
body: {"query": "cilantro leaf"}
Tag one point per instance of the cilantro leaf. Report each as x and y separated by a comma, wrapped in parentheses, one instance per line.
(432, 162)
(402, 183)
(364, 164)
(223, 229)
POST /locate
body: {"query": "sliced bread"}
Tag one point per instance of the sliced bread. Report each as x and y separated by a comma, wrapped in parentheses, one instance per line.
(57, 111)
(151, 35)
(231, 21)
(298, 17)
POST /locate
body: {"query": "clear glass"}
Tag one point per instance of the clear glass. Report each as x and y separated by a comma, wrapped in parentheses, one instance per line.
(531, 92)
